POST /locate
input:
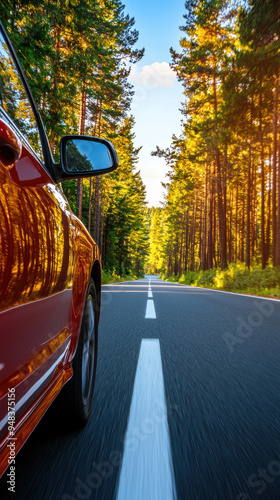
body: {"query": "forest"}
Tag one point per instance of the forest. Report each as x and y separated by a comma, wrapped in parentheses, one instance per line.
(76, 56)
(222, 202)
(223, 189)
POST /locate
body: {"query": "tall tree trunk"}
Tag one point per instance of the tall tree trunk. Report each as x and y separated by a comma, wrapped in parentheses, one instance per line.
(89, 204)
(96, 228)
(225, 166)
(236, 225)
(221, 214)
(53, 110)
(248, 212)
(214, 247)
(210, 225)
(268, 211)
(254, 219)
(81, 132)
(230, 228)
(176, 263)
(242, 232)
(263, 247)
(102, 229)
(277, 256)
(200, 237)
(187, 242)
(96, 224)
(170, 259)
(274, 172)
(181, 244)
(204, 237)
(193, 234)
(221, 192)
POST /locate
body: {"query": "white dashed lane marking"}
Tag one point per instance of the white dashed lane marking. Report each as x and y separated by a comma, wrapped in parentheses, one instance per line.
(147, 468)
(150, 307)
(150, 310)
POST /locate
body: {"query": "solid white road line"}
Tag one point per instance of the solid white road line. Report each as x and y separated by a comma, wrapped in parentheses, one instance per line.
(124, 287)
(147, 469)
(150, 310)
(150, 294)
(189, 287)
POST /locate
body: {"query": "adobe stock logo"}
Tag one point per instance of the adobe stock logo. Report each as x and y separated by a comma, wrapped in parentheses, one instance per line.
(262, 309)
(261, 480)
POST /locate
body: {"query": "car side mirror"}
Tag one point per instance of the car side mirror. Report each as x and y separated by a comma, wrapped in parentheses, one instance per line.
(83, 156)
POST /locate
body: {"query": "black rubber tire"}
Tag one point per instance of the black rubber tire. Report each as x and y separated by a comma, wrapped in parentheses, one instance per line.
(78, 392)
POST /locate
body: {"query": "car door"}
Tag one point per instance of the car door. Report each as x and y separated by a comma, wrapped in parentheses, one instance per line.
(36, 260)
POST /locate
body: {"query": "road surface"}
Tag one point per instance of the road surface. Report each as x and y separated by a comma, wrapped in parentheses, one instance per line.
(186, 403)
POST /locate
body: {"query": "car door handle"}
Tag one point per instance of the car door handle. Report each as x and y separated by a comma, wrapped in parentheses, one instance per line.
(10, 145)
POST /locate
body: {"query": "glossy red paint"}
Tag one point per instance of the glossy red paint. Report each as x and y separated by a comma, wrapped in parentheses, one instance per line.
(29, 421)
(46, 259)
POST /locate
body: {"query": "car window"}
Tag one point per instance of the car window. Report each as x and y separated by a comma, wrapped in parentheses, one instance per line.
(14, 100)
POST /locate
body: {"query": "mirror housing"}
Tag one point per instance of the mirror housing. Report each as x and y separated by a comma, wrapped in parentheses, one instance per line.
(85, 156)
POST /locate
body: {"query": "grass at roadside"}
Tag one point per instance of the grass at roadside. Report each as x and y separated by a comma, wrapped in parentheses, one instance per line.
(237, 278)
(108, 277)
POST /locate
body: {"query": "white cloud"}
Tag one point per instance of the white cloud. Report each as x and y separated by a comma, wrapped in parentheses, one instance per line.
(153, 168)
(153, 75)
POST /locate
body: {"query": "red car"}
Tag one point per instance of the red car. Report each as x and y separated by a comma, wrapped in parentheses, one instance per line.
(49, 267)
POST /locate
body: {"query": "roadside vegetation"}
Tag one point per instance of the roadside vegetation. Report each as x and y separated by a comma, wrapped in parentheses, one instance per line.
(236, 278)
(112, 277)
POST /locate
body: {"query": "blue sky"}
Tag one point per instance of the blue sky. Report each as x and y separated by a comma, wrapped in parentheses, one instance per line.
(158, 95)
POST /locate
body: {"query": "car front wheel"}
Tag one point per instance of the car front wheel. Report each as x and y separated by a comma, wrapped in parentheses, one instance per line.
(79, 390)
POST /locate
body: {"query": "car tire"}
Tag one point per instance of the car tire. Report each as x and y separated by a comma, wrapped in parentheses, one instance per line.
(78, 392)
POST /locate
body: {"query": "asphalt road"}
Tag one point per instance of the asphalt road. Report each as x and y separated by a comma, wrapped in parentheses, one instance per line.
(217, 364)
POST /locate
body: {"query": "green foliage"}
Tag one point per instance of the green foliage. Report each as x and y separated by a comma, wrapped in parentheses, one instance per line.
(157, 234)
(111, 277)
(125, 237)
(234, 279)
(69, 47)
